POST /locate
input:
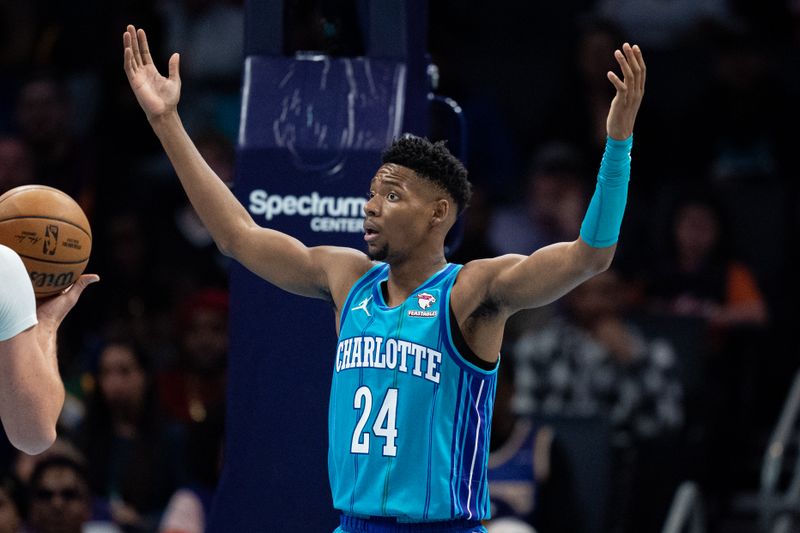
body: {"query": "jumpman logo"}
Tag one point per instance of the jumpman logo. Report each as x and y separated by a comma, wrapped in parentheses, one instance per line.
(363, 306)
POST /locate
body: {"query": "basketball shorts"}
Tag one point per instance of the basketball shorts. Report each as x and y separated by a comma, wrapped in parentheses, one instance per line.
(351, 524)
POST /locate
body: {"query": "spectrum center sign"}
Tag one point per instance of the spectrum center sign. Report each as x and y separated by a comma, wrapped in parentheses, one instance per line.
(343, 214)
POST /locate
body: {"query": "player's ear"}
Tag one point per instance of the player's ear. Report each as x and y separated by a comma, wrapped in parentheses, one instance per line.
(441, 211)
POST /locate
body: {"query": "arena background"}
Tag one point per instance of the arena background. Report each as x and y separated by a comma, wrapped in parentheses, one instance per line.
(716, 131)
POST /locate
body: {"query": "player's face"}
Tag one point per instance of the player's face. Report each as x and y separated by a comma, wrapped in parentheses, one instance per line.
(397, 213)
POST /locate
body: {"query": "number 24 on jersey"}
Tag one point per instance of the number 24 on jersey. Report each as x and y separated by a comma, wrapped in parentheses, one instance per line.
(385, 423)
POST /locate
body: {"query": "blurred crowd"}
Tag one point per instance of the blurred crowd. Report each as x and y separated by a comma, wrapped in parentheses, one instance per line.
(683, 350)
(686, 347)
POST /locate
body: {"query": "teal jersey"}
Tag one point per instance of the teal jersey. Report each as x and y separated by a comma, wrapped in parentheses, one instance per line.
(409, 416)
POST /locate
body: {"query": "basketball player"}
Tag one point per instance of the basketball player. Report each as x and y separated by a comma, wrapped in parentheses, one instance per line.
(31, 391)
(415, 367)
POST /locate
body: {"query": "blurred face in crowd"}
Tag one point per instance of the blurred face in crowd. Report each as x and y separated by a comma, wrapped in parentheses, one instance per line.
(9, 514)
(42, 111)
(544, 195)
(596, 54)
(557, 202)
(205, 340)
(122, 380)
(219, 155)
(16, 164)
(596, 298)
(696, 231)
(127, 245)
(25, 464)
(60, 502)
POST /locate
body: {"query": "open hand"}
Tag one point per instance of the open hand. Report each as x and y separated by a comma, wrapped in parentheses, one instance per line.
(630, 90)
(156, 94)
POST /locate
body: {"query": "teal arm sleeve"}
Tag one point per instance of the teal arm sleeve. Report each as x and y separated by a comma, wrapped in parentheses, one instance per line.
(603, 219)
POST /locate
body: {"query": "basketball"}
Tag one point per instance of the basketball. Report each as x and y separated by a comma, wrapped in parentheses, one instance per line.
(50, 232)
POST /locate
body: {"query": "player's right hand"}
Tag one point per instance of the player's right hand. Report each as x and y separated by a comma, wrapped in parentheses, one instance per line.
(156, 94)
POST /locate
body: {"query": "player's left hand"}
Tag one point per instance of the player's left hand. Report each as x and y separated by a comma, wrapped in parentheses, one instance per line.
(630, 90)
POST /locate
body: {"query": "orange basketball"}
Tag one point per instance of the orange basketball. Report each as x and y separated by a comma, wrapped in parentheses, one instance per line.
(50, 232)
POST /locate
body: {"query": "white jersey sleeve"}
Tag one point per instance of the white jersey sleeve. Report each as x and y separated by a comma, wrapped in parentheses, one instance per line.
(17, 302)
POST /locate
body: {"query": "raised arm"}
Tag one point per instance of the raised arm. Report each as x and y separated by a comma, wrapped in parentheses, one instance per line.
(272, 255)
(519, 282)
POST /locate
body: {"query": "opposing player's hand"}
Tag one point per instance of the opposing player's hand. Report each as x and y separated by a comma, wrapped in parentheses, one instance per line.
(156, 94)
(51, 311)
(630, 90)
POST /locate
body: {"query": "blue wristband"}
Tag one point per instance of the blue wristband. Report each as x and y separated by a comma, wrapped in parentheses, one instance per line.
(603, 218)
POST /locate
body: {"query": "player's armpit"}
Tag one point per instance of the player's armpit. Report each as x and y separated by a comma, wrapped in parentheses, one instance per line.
(520, 282)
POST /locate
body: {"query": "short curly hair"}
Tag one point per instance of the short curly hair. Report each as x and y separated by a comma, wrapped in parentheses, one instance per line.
(434, 162)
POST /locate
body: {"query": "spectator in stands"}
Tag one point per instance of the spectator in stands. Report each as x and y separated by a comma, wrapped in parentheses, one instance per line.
(24, 464)
(552, 207)
(197, 381)
(185, 238)
(577, 116)
(592, 361)
(60, 500)
(475, 241)
(745, 90)
(700, 278)
(11, 505)
(16, 163)
(190, 505)
(529, 479)
(136, 457)
(550, 210)
(750, 165)
(137, 300)
(63, 160)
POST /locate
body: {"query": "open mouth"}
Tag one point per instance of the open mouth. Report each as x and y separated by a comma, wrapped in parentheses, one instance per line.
(370, 234)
